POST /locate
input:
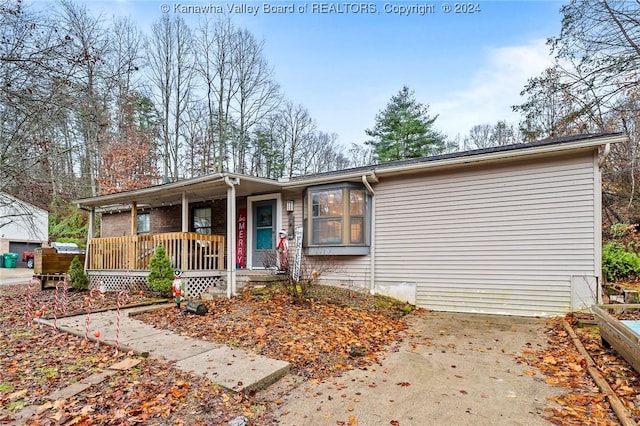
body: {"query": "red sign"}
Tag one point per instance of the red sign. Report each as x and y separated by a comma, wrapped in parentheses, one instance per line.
(241, 238)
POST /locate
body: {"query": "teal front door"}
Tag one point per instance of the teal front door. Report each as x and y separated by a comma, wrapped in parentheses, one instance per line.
(264, 234)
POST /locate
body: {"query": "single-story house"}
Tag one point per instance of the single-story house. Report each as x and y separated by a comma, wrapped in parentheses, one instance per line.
(512, 230)
(23, 226)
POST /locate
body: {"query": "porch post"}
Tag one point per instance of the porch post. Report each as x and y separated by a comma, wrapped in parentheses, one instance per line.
(90, 232)
(134, 236)
(185, 212)
(231, 235)
(185, 228)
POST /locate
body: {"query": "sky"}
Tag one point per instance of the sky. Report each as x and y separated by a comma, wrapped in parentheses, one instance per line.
(344, 61)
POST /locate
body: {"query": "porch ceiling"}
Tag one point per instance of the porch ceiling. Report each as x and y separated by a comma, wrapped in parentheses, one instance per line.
(199, 189)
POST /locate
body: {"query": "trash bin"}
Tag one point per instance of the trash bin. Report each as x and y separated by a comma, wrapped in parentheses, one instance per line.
(1, 260)
(10, 260)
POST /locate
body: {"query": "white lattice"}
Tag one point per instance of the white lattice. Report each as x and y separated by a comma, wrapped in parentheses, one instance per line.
(133, 283)
(195, 285)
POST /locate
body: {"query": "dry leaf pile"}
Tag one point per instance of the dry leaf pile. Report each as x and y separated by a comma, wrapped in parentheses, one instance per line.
(564, 366)
(38, 361)
(336, 331)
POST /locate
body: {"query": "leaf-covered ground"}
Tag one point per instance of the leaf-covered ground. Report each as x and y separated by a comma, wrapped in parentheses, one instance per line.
(38, 361)
(336, 330)
(564, 366)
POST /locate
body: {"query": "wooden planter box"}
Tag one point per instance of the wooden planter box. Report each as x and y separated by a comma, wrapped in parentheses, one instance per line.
(618, 335)
(47, 261)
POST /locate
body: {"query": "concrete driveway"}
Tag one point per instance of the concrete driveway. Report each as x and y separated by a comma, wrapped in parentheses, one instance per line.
(452, 369)
(15, 275)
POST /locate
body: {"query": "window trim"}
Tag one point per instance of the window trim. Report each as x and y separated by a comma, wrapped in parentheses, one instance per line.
(148, 223)
(345, 247)
(193, 220)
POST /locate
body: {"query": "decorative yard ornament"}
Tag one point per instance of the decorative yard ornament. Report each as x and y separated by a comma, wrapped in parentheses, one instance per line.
(122, 299)
(282, 248)
(178, 287)
(196, 307)
(297, 257)
(93, 293)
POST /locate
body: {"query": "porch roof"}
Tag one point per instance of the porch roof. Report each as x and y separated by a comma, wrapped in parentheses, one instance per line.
(201, 188)
(214, 186)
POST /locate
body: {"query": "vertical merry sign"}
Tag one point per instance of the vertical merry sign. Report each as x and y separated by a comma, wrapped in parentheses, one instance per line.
(241, 238)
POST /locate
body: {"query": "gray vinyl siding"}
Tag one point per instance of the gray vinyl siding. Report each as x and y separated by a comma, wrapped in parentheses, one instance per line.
(504, 239)
(351, 270)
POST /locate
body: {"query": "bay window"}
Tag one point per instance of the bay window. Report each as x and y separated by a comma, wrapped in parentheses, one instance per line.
(336, 219)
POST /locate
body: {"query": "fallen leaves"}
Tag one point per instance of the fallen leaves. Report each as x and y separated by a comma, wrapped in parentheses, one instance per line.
(36, 362)
(320, 339)
(563, 366)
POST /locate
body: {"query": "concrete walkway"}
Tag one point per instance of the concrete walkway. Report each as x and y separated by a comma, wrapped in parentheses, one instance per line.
(231, 368)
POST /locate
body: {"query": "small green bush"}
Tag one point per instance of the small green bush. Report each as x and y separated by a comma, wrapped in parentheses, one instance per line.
(618, 263)
(160, 272)
(78, 278)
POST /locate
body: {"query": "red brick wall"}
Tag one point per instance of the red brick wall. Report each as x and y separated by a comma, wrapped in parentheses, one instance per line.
(115, 224)
(166, 219)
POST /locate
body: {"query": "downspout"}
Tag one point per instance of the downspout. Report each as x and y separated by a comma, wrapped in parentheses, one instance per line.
(605, 154)
(372, 253)
(598, 224)
(231, 237)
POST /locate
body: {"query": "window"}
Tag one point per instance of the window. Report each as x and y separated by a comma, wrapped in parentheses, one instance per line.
(144, 223)
(202, 220)
(336, 219)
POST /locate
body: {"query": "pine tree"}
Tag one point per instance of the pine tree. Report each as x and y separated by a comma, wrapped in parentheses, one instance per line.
(404, 129)
(161, 273)
(78, 278)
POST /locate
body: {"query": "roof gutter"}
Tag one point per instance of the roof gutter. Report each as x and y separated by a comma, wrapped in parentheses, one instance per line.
(303, 183)
(534, 150)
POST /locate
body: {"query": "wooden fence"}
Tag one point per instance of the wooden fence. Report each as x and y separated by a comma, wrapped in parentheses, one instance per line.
(187, 251)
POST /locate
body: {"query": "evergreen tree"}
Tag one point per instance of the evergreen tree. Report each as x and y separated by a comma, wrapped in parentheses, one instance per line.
(77, 276)
(160, 272)
(404, 129)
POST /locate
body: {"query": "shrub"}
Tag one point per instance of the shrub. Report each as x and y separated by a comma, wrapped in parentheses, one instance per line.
(309, 273)
(619, 263)
(160, 272)
(78, 279)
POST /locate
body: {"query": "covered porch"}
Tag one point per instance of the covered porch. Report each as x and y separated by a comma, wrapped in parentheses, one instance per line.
(210, 253)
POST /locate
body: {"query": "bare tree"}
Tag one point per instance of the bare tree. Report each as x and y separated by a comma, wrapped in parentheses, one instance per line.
(216, 43)
(171, 66)
(200, 158)
(483, 136)
(323, 153)
(125, 64)
(360, 155)
(89, 83)
(296, 129)
(266, 158)
(34, 83)
(257, 95)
